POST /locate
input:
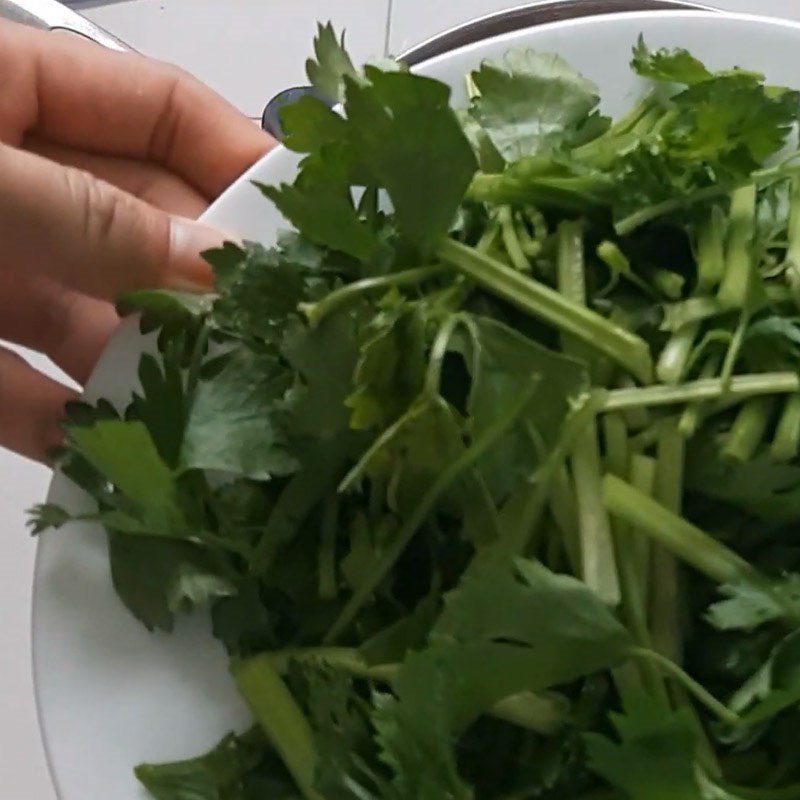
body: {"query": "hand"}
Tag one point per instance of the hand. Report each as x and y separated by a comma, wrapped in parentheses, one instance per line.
(105, 160)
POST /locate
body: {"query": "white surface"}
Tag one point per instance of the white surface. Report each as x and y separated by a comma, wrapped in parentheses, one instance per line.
(259, 41)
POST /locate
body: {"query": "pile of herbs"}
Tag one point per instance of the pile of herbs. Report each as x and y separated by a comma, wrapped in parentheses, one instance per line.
(488, 473)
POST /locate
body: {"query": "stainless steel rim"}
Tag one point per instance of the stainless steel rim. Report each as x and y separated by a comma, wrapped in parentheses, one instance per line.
(527, 16)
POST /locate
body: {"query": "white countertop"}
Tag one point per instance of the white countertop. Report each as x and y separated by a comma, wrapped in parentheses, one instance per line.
(247, 50)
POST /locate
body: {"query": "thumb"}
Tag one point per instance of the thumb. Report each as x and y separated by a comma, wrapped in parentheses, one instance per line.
(89, 235)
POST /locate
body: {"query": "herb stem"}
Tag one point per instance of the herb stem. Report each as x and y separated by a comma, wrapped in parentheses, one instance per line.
(699, 692)
(786, 442)
(748, 429)
(740, 387)
(280, 717)
(539, 300)
(410, 526)
(673, 532)
(316, 312)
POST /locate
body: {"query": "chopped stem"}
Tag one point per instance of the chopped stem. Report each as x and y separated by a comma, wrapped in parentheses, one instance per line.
(711, 250)
(412, 523)
(316, 312)
(674, 357)
(283, 721)
(511, 242)
(665, 603)
(598, 564)
(734, 290)
(748, 429)
(787, 434)
(518, 537)
(740, 387)
(539, 300)
(675, 533)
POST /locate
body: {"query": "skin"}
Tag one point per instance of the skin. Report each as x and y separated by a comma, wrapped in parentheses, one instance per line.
(106, 161)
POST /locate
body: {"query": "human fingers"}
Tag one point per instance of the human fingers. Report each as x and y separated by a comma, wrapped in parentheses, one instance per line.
(149, 182)
(87, 234)
(70, 328)
(67, 90)
(31, 407)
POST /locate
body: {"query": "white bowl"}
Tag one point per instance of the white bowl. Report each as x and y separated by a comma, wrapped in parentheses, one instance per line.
(111, 695)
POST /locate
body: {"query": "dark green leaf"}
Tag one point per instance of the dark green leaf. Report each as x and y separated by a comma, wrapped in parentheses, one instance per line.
(531, 103)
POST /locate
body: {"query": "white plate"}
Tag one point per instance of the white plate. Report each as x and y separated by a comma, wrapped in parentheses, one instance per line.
(111, 695)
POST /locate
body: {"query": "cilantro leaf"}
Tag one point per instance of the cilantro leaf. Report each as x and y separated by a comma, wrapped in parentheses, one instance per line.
(260, 289)
(531, 103)
(156, 579)
(390, 368)
(124, 453)
(655, 758)
(672, 66)
(325, 213)
(237, 423)
(430, 163)
(227, 772)
(748, 605)
(332, 64)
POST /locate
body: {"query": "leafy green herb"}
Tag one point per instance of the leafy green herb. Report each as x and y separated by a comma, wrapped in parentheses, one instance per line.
(488, 471)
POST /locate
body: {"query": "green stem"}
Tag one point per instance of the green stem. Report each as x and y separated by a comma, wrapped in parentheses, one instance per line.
(539, 300)
(698, 691)
(739, 267)
(598, 565)
(748, 429)
(761, 177)
(316, 312)
(787, 434)
(672, 362)
(438, 352)
(409, 528)
(694, 413)
(741, 387)
(680, 537)
(543, 713)
(282, 720)
(711, 250)
(665, 598)
(511, 242)
(518, 536)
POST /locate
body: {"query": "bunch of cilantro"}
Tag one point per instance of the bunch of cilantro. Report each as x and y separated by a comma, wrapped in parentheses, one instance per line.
(489, 472)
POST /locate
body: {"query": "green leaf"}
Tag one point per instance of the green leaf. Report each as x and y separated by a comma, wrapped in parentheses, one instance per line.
(324, 212)
(260, 289)
(217, 775)
(164, 306)
(774, 687)
(671, 66)
(125, 454)
(160, 402)
(309, 125)
(748, 605)
(45, 516)
(760, 486)
(157, 578)
(324, 358)
(237, 423)
(655, 758)
(531, 103)
(409, 138)
(390, 368)
(332, 64)
(502, 364)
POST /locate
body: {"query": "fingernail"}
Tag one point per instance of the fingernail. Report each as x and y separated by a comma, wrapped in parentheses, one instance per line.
(189, 271)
